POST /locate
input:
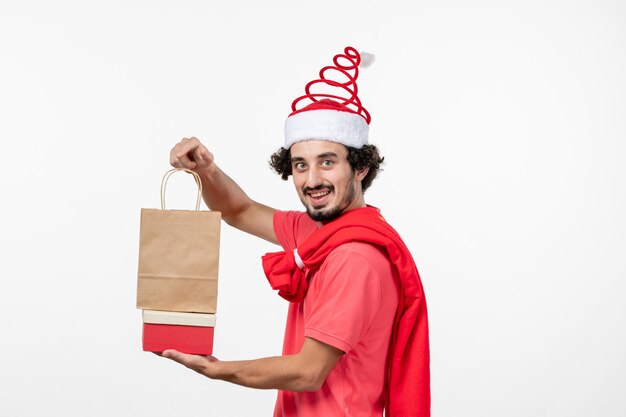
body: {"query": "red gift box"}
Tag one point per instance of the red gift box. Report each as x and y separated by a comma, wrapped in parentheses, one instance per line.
(197, 340)
(186, 332)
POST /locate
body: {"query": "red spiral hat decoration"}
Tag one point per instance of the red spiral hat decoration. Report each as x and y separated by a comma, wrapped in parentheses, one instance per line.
(342, 76)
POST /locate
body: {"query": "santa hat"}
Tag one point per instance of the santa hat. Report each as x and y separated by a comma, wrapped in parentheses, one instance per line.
(335, 114)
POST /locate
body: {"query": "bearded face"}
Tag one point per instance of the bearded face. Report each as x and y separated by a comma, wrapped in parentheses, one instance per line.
(326, 183)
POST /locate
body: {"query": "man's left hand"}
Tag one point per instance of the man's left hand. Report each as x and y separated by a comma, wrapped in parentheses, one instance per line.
(305, 371)
(204, 365)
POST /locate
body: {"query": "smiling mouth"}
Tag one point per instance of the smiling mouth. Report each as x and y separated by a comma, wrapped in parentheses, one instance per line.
(318, 197)
(319, 194)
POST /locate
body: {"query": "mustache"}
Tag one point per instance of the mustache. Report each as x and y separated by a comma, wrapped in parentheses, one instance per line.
(318, 188)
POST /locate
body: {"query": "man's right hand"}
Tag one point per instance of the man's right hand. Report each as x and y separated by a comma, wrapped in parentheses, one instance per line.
(191, 154)
(221, 193)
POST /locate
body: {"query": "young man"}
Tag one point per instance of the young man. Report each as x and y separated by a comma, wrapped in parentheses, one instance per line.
(356, 340)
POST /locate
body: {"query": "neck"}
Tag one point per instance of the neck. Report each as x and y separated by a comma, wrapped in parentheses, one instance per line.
(360, 203)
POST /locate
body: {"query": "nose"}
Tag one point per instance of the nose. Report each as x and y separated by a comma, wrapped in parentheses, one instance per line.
(313, 178)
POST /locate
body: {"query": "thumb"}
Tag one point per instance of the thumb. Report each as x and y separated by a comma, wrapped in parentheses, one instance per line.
(202, 155)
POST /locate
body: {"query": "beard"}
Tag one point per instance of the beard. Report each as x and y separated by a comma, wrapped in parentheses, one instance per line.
(331, 213)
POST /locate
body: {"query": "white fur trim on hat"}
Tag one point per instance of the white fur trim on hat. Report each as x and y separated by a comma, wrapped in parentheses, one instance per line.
(343, 127)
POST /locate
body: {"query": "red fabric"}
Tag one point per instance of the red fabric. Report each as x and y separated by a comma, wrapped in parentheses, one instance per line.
(409, 369)
(325, 104)
(342, 77)
(351, 301)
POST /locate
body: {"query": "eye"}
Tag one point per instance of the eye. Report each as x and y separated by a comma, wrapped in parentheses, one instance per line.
(299, 166)
(327, 163)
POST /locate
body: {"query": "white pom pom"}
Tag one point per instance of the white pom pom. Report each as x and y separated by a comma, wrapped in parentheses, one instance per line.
(367, 59)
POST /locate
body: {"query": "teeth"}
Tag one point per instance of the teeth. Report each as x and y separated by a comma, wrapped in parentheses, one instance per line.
(321, 194)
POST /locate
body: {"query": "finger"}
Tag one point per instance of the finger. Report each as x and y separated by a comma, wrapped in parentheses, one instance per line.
(206, 155)
(197, 154)
(201, 154)
(185, 161)
(178, 154)
(172, 354)
(182, 153)
(190, 361)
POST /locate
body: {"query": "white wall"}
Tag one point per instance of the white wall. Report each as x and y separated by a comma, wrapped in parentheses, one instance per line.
(503, 126)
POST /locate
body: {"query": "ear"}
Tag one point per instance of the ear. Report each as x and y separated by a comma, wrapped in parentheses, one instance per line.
(361, 173)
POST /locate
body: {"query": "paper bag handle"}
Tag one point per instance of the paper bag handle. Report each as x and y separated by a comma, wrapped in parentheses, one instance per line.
(167, 176)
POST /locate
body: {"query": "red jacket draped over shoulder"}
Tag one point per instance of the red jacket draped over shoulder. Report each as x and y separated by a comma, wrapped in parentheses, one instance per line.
(409, 363)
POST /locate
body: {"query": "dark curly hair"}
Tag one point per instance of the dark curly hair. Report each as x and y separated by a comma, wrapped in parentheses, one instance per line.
(365, 157)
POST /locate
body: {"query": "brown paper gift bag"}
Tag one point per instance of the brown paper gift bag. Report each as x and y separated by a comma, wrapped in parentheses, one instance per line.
(178, 257)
